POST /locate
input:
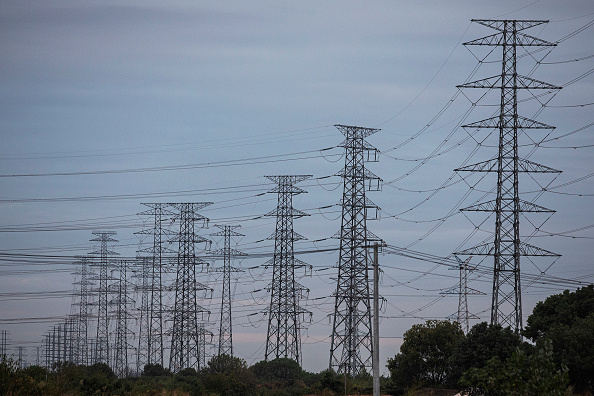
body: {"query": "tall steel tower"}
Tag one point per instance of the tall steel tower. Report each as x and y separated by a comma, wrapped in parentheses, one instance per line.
(463, 316)
(351, 343)
(227, 254)
(506, 307)
(144, 287)
(283, 338)
(102, 340)
(160, 254)
(187, 338)
(82, 335)
(121, 301)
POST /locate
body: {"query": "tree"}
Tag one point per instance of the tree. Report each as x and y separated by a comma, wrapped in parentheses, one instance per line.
(283, 370)
(482, 343)
(155, 370)
(519, 375)
(567, 319)
(227, 375)
(225, 364)
(424, 355)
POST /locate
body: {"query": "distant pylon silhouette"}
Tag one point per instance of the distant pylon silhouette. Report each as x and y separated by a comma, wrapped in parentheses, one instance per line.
(187, 337)
(463, 316)
(105, 256)
(227, 254)
(283, 338)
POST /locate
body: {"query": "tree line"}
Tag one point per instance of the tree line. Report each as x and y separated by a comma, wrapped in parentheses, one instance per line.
(554, 355)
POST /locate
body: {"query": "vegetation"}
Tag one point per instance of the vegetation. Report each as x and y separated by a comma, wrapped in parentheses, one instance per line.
(489, 360)
(423, 360)
(224, 375)
(567, 320)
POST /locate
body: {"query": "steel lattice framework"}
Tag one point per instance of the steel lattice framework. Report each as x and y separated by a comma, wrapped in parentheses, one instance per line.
(351, 342)
(188, 333)
(144, 288)
(463, 316)
(506, 307)
(121, 301)
(102, 339)
(284, 314)
(227, 254)
(152, 340)
(81, 355)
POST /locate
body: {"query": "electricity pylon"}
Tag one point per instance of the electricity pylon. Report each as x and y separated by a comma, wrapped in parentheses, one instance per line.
(283, 338)
(463, 316)
(102, 340)
(507, 248)
(121, 301)
(153, 336)
(351, 343)
(82, 335)
(144, 287)
(187, 338)
(227, 254)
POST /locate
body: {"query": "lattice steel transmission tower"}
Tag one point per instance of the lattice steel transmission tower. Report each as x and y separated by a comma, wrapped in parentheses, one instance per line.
(102, 339)
(3, 343)
(144, 287)
(153, 337)
(507, 248)
(81, 344)
(188, 333)
(351, 343)
(283, 338)
(122, 302)
(227, 254)
(463, 316)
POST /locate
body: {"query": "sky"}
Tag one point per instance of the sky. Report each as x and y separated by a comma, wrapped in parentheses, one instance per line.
(108, 105)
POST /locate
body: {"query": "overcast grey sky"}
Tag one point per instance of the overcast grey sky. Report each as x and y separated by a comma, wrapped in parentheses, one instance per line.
(155, 90)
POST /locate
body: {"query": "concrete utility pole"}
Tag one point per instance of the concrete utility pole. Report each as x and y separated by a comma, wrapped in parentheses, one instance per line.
(375, 362)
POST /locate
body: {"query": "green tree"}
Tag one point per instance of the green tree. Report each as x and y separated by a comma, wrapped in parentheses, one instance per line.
(227, 375)
(155, 370)
(567, 319)
(225, 364)
(520, 375)
(482, 343)
(282, 370)
(424, 355)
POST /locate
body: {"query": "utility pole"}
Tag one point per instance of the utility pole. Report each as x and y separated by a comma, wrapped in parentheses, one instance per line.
(188, 334)
(283, 338)
(227, 254)
(376, 376)
(102, 340)
(351, 342)
(507, 248)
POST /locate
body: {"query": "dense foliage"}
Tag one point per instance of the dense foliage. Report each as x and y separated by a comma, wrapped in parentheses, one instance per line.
(223, 375)
(567, 319)
(423, 360)
(489, 360)
(492, 360)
